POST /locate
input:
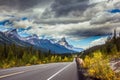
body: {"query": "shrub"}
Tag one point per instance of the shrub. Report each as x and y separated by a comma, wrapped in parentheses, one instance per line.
(98, 67)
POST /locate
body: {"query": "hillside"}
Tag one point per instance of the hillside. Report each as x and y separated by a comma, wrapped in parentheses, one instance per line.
(102, 62)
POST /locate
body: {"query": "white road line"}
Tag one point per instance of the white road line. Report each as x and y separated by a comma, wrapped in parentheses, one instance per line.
(59, 71)
(12, 74)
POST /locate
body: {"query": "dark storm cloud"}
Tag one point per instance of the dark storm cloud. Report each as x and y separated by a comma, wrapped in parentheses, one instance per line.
(23, 4)
(64, 7)
(101, 31)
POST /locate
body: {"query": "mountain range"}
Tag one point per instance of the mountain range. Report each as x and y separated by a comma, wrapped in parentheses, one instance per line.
(60, 46)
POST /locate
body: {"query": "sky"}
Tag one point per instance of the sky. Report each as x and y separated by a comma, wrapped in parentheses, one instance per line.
(84, 23)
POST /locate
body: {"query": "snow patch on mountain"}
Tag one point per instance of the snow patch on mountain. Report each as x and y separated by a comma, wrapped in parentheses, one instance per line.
(64, 42)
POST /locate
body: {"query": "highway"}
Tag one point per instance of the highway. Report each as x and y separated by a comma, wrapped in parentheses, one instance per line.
(51, 71)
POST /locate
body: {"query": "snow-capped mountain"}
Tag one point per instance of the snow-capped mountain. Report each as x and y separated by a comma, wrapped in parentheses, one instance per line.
(12, 37)
(63, 42)
(48, 45)
(12, 34)
(53, 41)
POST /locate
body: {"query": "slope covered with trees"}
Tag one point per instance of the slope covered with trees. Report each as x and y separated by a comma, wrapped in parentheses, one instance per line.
(14, 55)
(98, 58)
(112, 46)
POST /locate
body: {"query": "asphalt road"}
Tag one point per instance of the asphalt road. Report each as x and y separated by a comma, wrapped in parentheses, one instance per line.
(52, 71)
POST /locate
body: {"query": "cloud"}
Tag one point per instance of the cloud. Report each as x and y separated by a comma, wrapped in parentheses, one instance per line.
(74, 30)
(22, 4)
(2, 18)
(23, 23)
(96, 1)
(62, 8)
(98, 41)
(104, 17)
(70, 18)
(69, 11)
(31, 8)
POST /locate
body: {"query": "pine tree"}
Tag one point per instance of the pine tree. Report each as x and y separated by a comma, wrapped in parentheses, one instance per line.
(5, 54)
(114, 36)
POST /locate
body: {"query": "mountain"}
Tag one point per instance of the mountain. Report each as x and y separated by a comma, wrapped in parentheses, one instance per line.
(63, 42)
(48, 45)
(12, 37)
(34, 36)
(12, 34)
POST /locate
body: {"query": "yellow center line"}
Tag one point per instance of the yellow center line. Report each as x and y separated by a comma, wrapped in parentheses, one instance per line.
(12, 74)
(15, 73)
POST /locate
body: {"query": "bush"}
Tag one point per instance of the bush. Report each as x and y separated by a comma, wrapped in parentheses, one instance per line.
(98, 67)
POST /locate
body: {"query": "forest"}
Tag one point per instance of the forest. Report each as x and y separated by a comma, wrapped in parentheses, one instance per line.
(14, 55)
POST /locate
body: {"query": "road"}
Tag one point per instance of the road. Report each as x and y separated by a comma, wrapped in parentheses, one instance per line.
(52, 71)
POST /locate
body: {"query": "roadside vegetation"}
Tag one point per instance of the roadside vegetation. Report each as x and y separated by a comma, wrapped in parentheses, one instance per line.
(97, 60)
(12, 55)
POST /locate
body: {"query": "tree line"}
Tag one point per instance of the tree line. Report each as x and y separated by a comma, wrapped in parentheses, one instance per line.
(13, 55)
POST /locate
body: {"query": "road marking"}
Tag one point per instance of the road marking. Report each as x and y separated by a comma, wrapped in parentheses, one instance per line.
(22, 67)
(12, 74)
(27, 67)
(15, 73)
(59, 71)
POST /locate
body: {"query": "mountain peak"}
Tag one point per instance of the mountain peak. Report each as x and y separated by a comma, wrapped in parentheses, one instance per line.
(11, 31)
(63, 39)
(64, 43)
(32, 36)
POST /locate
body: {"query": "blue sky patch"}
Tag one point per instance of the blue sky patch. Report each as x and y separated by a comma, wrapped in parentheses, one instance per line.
(84, 43)
(4, 22)
(114, 11)
(24, 18)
